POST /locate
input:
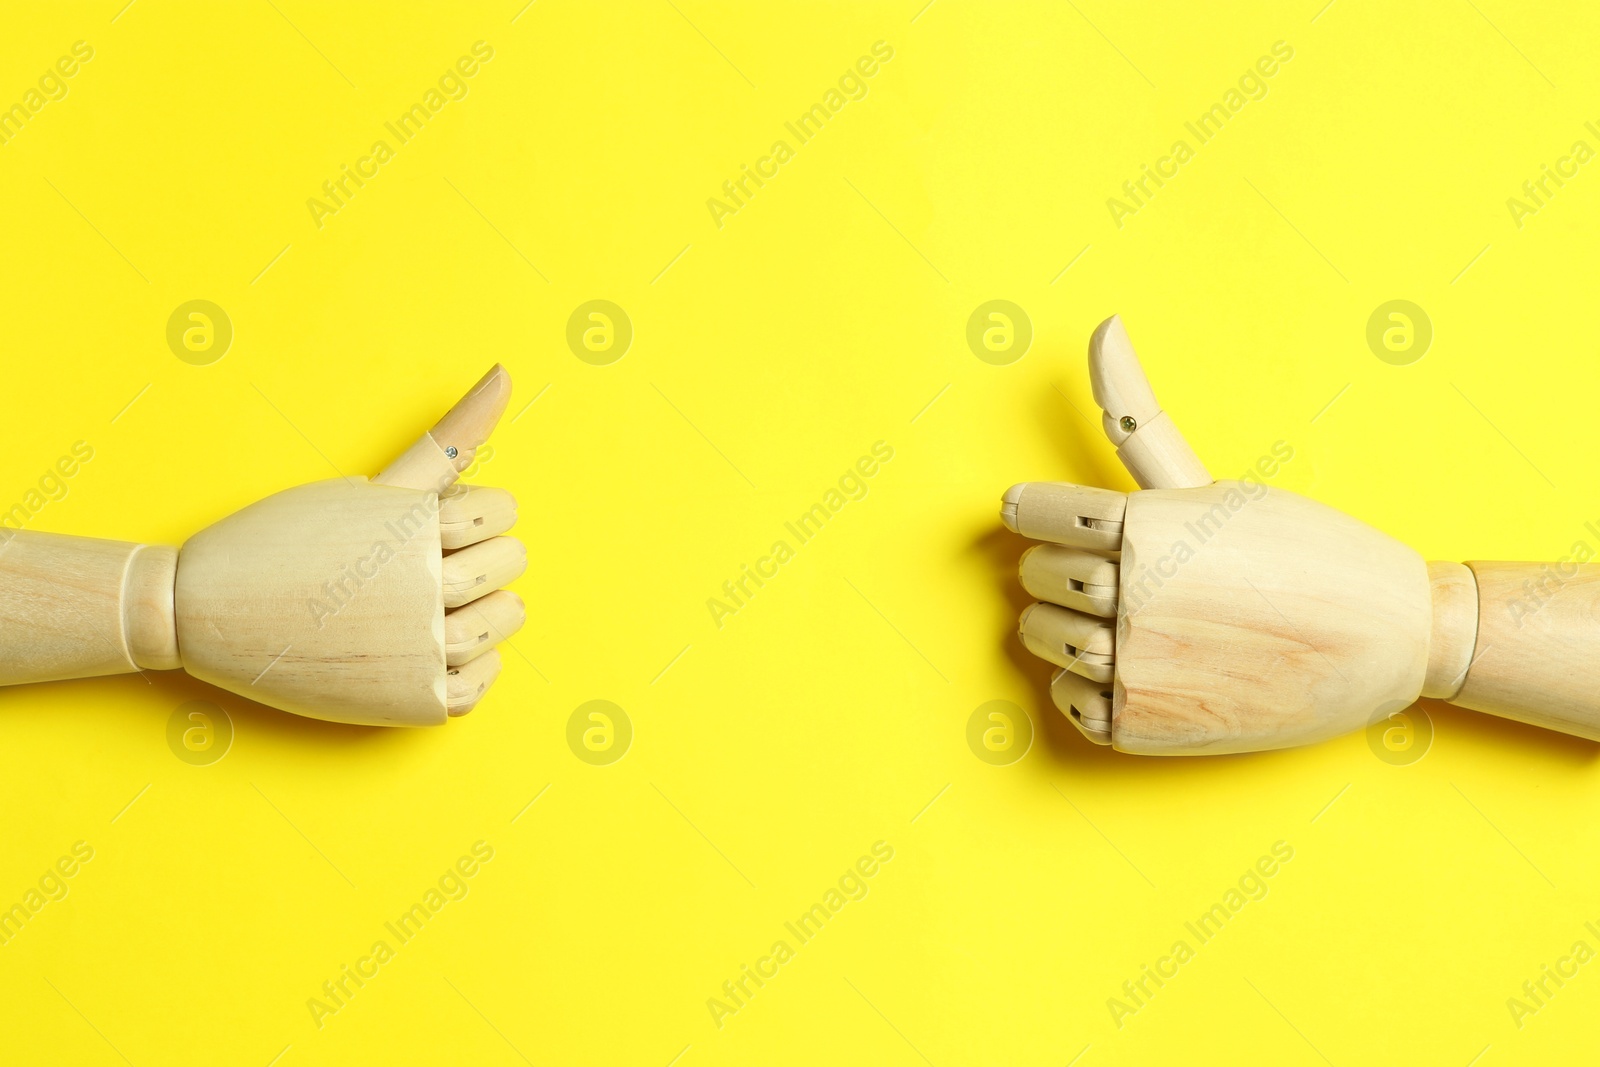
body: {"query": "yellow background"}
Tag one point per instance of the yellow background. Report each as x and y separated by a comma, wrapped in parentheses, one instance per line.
(829, 712)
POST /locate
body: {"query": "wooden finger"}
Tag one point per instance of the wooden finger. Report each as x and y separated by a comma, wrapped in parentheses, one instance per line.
(480, 569)
(472, 513)
(1087, 703)
(1148, 441)
(1077, 515)
(475, 628)
(440, 455)
(1071, 577)
(1069, 639)
(465, 686)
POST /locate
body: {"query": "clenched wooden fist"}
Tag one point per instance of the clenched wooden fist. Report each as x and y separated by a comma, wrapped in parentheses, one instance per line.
(373, 602)
(1197, 617)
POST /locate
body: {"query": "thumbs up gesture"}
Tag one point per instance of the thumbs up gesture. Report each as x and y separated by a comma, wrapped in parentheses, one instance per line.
(374, 602)
(1201, 616)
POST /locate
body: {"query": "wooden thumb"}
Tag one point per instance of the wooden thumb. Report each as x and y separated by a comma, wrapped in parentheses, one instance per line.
(1148, 442)
(440, 455)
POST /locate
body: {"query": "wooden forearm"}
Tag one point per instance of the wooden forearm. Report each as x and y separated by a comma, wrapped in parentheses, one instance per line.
(79, 607)
(1519, 640)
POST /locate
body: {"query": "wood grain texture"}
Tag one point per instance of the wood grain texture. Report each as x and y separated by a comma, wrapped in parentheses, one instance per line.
(1455, 628)
(1071, 577)
(1537, 658)
(82, 607)
(1158, 457)
(438, 456)
(1082, 516)
(324, 600)
(1258, 622)
(1148, 442)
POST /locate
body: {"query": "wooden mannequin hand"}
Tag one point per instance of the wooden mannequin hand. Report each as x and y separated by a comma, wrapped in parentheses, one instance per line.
(373, 602)
(1196, 616)
(370, 602)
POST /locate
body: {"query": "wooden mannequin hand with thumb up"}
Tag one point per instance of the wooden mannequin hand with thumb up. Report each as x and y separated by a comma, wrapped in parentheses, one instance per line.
(373, 602)
(1198, 616)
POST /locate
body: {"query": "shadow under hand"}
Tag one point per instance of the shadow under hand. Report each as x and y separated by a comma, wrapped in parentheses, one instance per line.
(1489, 736)
(265, 723)
(1080, 441)
(103, 697)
